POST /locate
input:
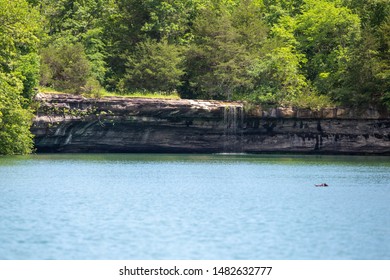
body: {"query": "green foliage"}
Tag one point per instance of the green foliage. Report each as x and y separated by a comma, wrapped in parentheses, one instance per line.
(367, 76)
(278, 73)
(371, 12)
(95, 52)
(326, 33)
(248, 20)
(136, 21)
(169, 19)
(80, 21)
(92, 88)
(279, 51)
(28, 70)
(15, 121)
(154, 66)
(19, 32)
(65, 68)
(217, 63)
(19, 63)
(383, 74)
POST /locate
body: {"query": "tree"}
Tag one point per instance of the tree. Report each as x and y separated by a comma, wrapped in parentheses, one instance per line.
(278, 76)
(367, 81)
(15, 121)
(80, 21)
(154, 66)
(276, 9)
(248, 20)
(137, 21)
(65, 67)
(19, 33)
(326, 33)
(169, 20)
(384, 73)
(216, 62)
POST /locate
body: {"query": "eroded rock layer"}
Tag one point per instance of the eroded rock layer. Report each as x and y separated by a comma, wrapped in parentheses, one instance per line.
(68, 123)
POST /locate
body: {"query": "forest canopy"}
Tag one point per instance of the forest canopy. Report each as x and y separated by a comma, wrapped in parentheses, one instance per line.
(304, 53)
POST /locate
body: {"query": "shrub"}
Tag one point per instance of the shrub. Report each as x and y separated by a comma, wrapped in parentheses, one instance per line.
(65, 67)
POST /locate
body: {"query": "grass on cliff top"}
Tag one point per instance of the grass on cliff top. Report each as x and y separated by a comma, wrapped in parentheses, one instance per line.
(104, 93)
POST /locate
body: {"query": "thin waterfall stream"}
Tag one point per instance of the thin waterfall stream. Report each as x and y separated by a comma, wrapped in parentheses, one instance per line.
(233, 128)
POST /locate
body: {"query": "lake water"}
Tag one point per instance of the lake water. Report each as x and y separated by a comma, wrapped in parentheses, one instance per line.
(116, 206)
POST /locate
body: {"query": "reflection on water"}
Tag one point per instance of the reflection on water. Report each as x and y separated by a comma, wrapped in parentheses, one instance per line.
(147, 206)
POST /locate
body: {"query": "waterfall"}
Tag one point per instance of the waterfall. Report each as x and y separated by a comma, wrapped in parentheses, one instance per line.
(233, 122)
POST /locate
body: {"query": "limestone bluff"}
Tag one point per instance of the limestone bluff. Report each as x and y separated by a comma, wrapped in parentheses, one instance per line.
(69, 123)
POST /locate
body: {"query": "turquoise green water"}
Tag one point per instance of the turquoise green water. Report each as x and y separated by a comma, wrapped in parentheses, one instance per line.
(107, 206)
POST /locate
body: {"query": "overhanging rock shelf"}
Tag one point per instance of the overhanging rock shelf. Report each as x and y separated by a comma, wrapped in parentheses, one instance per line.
(69, 123)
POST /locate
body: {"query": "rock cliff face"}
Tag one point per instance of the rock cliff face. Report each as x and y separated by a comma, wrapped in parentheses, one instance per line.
(67, 123)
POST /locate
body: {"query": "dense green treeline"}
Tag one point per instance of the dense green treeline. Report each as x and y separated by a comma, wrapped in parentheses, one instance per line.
(307, 53)
(302, 52)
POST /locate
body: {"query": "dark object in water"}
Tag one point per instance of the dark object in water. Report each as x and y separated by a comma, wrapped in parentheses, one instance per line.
(322, 185)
